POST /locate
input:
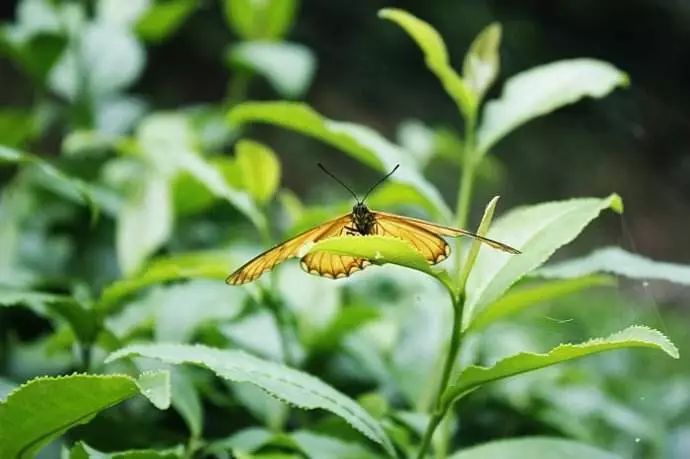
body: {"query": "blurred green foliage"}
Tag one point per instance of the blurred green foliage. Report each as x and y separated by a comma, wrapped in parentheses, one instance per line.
(123, 207)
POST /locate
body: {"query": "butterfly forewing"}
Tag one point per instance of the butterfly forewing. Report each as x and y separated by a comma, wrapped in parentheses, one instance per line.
(429, 244)
(266, 261)
(435, 229)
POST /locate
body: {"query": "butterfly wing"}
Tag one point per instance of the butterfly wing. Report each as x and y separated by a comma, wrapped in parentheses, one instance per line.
(332, 266)
(266, 261)
(409, 225)
(428, 243)
(329, 264)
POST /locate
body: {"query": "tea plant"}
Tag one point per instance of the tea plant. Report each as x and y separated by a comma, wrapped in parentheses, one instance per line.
(391, 366)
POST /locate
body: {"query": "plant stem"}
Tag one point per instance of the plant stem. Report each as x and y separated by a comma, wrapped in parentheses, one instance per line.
(469, 164)
(431, 428)
(462, 211)
(453, 349)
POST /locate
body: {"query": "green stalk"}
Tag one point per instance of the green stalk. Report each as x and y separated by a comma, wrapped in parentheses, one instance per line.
(453, 349)
(457, 298)
(462, 211)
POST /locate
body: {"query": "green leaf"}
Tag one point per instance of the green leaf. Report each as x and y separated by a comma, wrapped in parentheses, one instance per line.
(292, 386)
(186, 401)
(482, 61)
(537, 447)
(44, 408)
(265, 20)
(435, 56)
(538, 231)
(636, 336)
(16, 126)
(260, 169)
(164, 18)
(348, 320)
(476, 243)
(318, 445)
(155, 385)
(59, 181)
(121, 13)
(6, 387)
(246, 441)
(288, 67)
(521, 298)
(615, 260)
(108, 59)
(83, 321)
(191, 265)
(83, 451)
(543, 89)
(144, 223)
(181, 309)
(377, 249)
(168, 143)
(358, 141)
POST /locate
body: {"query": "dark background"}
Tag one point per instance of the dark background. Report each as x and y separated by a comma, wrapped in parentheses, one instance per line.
(633, 142)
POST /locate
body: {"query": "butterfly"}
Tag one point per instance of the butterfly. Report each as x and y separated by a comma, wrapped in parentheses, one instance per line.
(422, 235)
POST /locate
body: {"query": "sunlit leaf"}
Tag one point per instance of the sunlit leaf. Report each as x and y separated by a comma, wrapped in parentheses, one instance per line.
(121, 13)
(108, 58)
(615, 260)
(377, 249)
(538, 231)
(521, 298)
(260, 169)
(288, 67)
(469, 261)
(264, 20)
(482, 61)
(436, 57)
(144, 223)
(83, 451)
(543, 89)
(541, 447)
(475, 376)
(360, 142)
(164, 18)
(64, 402)
(287, 384)
(212, 265)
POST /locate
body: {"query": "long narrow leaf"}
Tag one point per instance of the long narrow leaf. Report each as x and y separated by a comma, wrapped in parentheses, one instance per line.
(284, 383)
(635, 336)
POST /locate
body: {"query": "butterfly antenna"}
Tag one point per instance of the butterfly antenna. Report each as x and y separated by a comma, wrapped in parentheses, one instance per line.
(339, 181)
(380, 181)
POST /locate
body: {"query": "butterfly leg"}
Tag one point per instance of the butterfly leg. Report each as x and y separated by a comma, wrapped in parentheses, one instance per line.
(349, 231)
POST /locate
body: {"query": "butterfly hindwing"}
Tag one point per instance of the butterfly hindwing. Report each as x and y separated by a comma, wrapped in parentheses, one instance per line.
(331, 265)
(266, 261)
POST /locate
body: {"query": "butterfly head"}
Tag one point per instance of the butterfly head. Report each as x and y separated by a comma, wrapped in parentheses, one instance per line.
(362, 218)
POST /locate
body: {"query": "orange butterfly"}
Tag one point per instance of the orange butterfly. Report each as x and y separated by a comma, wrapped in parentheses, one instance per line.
(424, 236)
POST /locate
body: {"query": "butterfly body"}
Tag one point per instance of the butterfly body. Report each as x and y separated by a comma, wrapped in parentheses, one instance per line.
(363, 220)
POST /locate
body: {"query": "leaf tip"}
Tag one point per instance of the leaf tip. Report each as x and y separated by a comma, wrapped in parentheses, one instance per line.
(616, 203)
(387, 13)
